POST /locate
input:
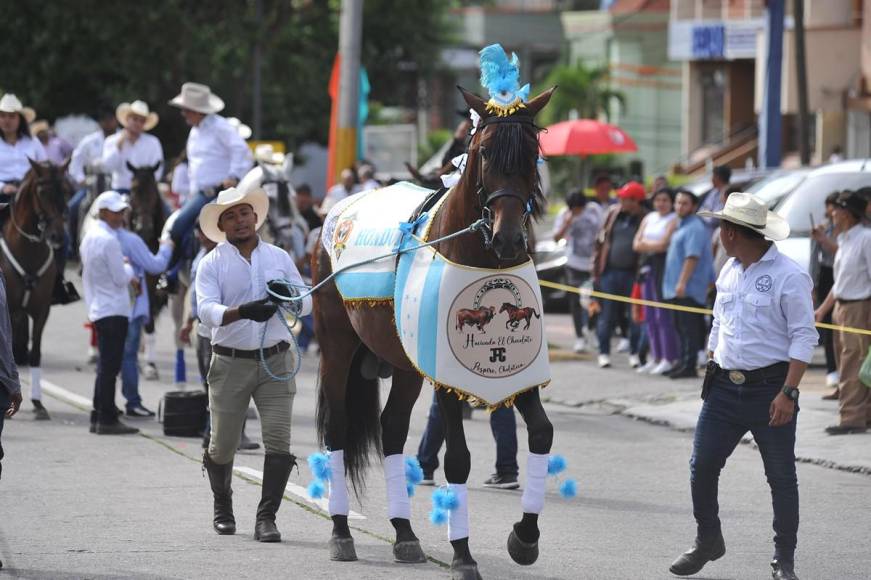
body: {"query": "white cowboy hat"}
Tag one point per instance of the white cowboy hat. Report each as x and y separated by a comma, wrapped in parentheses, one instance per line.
(197, 97)
(211, 213)
(244, 130)
(747, 210)
(265, 153)
(10, 104)
(137, 108)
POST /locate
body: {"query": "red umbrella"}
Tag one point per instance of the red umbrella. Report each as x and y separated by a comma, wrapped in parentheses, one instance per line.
(585, 137)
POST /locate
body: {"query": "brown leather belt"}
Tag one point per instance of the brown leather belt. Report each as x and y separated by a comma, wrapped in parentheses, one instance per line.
(843, 301)
(255, 354)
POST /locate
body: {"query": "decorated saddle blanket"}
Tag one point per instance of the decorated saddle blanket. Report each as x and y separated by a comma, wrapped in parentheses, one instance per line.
(365, 226)
(476, 331)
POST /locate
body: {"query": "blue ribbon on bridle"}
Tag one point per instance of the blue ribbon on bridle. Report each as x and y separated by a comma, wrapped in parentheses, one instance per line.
(407, 229)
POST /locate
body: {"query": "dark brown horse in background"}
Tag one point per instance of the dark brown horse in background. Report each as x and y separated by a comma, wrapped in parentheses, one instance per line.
(500, 181)
(34, 231)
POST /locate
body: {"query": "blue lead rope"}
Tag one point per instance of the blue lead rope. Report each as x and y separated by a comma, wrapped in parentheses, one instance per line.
(288, 309)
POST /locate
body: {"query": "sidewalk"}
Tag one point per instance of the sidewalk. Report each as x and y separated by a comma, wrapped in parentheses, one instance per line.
(579, 382)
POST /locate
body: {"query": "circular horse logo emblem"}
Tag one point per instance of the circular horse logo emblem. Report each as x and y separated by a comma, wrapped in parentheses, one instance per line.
(763, 283)
(494, 326)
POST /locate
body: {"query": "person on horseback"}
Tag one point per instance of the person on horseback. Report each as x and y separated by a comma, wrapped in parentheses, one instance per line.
(133, 146)
(17, 147)
(232, 300)
(217, 155)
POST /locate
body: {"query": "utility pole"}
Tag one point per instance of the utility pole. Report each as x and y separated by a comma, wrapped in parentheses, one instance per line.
(350, 39)
(769, 116)
(257, 105)
(804, 145)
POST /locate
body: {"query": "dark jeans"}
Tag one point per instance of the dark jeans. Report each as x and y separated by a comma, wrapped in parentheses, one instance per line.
(307, 332)
(187, 215)
(690, 332)
(614, 281)
(111, 337)
(503, 424)
(4, 404)
(728, 413)
(580, 316)
(824, 285)
(130, 363)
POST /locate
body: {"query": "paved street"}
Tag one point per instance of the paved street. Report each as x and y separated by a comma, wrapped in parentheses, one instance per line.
(75, 505)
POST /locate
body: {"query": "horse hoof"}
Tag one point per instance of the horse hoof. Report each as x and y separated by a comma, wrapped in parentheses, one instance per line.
(463, 571)
(342, 549)
(41, 414)
(522, 552)
(408, 552)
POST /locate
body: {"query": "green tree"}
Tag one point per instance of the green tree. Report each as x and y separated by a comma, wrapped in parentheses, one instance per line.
(582, 89)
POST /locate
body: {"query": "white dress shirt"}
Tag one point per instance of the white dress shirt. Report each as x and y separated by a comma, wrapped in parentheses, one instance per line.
(145, 151)
(763, 315)
(105, 275)
(215, 152)
(852, 269)
(14, 163)
(225, 279)
(87, 156)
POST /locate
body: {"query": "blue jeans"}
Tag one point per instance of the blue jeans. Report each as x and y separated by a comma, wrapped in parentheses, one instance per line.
(73, 205)
(187, 216)
(129, 365)
(307, 332)
(618, 282)
(728, 413)
(4, 404)
(503, 424)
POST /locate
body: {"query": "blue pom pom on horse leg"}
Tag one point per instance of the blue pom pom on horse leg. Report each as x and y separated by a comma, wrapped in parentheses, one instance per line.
(438, 516)
(316, 489)
(319, 464)
(568, 488)
(413, 471)
(556, 464)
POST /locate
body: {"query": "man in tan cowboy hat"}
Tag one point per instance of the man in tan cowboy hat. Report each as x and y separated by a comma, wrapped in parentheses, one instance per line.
(133, 146)
(56, 149)
(217, 155)
(762, 339)
(232, 301)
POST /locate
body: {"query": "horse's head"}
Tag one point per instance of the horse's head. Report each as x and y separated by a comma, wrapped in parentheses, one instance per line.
(144, 200)
(47, 188)
(505, 306)
(502, 167)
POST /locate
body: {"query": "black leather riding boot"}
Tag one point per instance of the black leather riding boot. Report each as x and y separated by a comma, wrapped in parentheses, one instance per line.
(276, 470)
(220, 478)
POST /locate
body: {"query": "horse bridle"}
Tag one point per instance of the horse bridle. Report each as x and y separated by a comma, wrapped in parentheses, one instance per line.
(42, 221)
(486, 198)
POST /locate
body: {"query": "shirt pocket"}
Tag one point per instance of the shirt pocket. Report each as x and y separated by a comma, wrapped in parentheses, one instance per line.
(725, 307)
(757, 307)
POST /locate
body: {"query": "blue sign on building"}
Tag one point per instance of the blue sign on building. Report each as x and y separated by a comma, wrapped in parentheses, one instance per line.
(709, 41)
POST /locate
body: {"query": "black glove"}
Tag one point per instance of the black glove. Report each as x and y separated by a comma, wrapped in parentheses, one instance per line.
(258, 310)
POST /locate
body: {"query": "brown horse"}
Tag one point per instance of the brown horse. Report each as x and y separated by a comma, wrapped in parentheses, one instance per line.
(500, 184)
(33, 233)
(517, 315)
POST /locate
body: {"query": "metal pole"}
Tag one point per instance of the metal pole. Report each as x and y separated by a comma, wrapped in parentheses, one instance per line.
(257, 105)
(769, 116)
(350, 39)
(804, 144)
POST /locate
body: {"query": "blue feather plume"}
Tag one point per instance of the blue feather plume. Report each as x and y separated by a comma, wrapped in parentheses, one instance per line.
(319, 463)
(445, 499)
(556, 464)
(568, 488)
(438, 516)
(316, 489)
(498, 73)
(409, 487)
(413, 471)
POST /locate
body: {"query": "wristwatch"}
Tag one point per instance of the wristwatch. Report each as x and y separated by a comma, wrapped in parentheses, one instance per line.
(791, 393)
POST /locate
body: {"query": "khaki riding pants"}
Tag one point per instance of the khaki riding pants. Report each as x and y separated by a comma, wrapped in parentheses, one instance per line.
(854, 398)
(233, 382)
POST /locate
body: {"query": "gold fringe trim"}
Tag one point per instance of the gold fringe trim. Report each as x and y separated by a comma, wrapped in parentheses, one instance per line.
(476, 401)
(357, 303)
(495, 108)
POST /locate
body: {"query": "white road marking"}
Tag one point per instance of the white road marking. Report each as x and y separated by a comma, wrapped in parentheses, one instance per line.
(298, 491)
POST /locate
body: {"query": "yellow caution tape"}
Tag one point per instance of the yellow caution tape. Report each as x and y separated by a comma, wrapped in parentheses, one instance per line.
(668, 306)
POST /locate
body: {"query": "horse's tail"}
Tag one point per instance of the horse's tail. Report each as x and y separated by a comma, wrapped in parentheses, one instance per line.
(362, 419)
(535, 313)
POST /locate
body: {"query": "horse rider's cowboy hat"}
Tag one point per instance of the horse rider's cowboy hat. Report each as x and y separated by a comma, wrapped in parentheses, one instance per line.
(198, 98)
(137, 108)
(211, 213)
(747, 210)
(266, 153)
(10, 104)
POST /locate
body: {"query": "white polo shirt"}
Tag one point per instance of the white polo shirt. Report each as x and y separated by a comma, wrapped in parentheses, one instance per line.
(763, 315)
(105, 275)
(226, 279)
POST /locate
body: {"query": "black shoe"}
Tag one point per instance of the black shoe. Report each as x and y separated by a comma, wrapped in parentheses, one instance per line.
(693, 560)
(220, 479)
(844, 430)
(783, 570)
(115, 429)
(139, 411)
(684, 373)
(276, 470)
(502, 481)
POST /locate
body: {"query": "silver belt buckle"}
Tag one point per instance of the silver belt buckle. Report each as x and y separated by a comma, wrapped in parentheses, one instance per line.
(737, 377)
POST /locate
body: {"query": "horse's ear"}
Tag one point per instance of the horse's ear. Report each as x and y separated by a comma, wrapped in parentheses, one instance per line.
(156, 166)
(475, 102)
(130, 167)
(538, 103)
(66, 165)
(36, 166)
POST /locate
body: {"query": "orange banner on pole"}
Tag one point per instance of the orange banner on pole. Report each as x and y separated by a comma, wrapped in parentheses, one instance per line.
(333, 90)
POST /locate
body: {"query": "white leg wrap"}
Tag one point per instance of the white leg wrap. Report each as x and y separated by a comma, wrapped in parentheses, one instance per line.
(532, 501)
(458, 522)
(338, 488)
(36, 383)
(150, 342)
(398, 502)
